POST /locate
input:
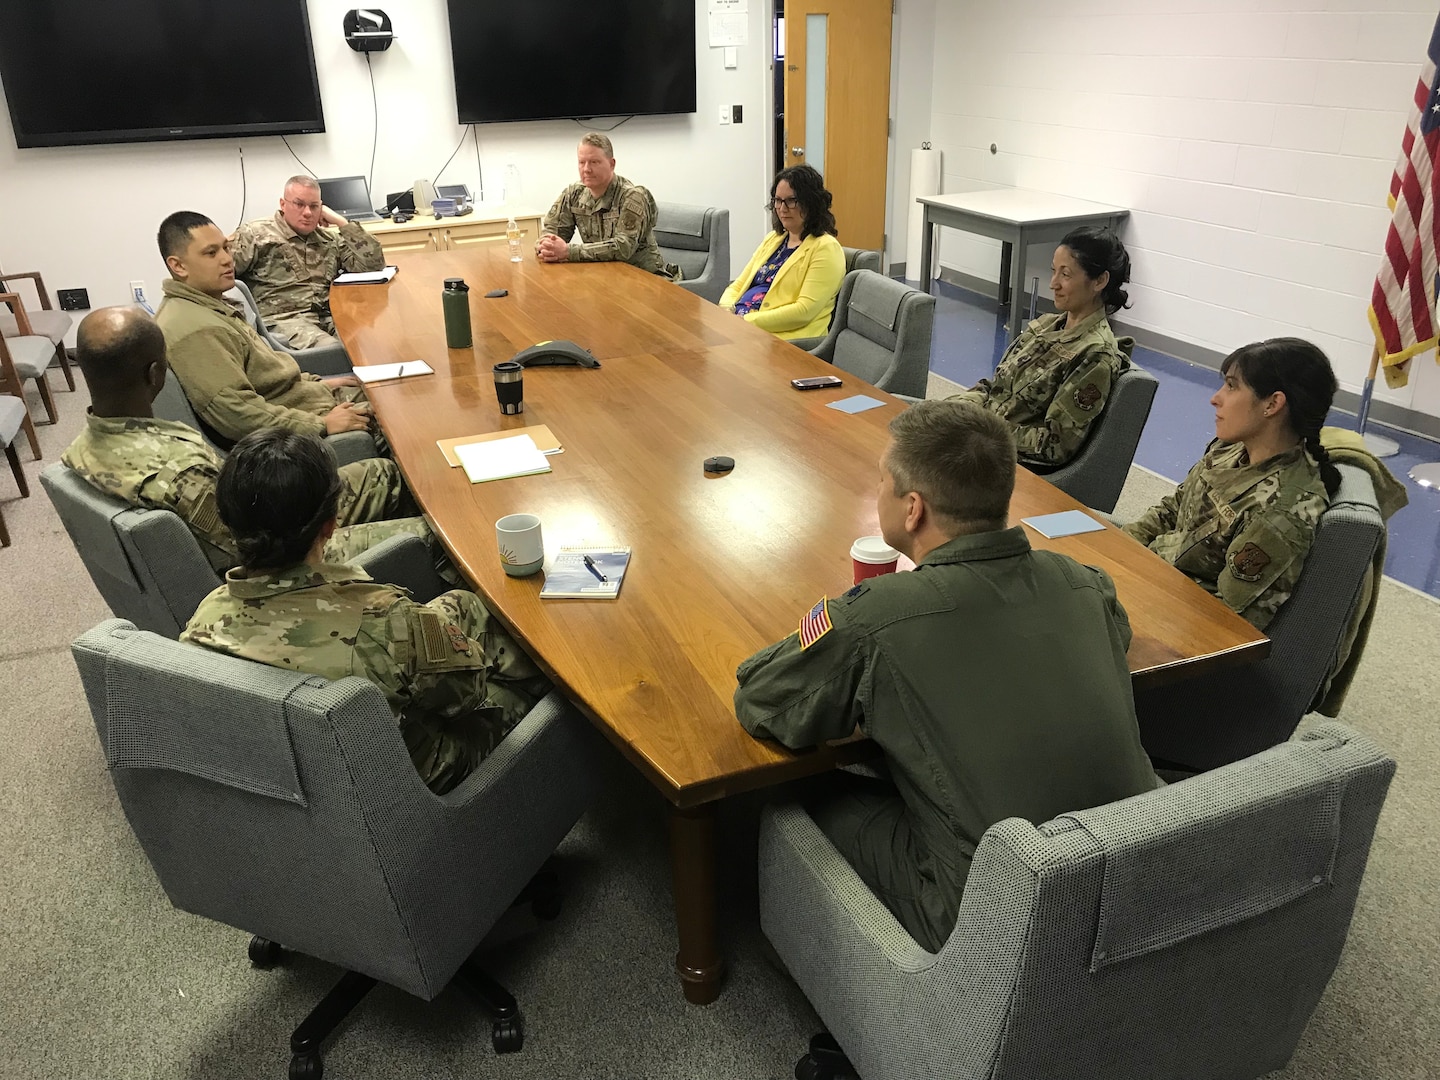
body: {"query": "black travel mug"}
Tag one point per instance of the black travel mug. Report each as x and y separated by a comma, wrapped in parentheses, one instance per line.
(510, 387)
(456, 302)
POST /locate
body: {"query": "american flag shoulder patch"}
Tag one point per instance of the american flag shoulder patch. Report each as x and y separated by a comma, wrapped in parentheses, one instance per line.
(815, 625)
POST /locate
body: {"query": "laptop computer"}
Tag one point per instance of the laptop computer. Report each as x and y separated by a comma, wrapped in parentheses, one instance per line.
(350, 196)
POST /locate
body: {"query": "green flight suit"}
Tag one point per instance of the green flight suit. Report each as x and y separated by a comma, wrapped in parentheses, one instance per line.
(289, 274)
(617, 227)
(1052, 384)
(455, 680)
(994, 679)
(1240, 530)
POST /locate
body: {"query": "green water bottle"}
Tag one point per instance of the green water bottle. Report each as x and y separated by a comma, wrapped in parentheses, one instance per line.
(456, 301)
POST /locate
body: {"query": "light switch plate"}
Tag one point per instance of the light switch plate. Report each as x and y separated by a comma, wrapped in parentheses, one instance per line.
(724, 114)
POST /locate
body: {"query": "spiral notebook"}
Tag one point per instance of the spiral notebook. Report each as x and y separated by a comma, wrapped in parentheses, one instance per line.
(570, 578)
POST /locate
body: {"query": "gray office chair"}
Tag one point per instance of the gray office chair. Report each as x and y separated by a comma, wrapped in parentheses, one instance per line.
(287, 807)
(324, 360)
(1098, 471)
(1208, 721)
(861, 259)
(697, 239)
(12, 418)
(881, 333)
(1187, 932)
(172, 404)
(151, 570)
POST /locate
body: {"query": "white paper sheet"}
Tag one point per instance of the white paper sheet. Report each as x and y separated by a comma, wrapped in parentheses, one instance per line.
(369, 373)
(729, 29)
(501, 459)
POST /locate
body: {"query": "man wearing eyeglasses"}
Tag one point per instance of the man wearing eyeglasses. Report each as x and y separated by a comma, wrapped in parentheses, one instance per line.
(289, 261)
(615, 218)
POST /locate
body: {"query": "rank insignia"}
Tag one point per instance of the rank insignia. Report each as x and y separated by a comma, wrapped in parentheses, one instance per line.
(815, 625)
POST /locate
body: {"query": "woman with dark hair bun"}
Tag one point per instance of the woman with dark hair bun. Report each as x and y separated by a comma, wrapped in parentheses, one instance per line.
(1244, 519)
(454, 679)
(789, 285)
(1055, 378)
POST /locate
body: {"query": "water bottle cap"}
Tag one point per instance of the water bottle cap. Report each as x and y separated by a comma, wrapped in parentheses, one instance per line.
(456, 284)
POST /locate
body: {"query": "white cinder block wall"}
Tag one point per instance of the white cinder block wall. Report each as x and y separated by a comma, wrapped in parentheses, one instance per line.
(1252, 139)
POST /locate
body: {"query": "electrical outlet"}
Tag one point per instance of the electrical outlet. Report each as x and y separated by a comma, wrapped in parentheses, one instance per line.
(724, 114)
(74, 299)
(137, 291)
(737, 113)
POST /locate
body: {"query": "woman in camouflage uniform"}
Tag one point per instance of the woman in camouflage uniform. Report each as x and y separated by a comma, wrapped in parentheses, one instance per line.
(1055, 378)
(1242, 522)
(454, 678)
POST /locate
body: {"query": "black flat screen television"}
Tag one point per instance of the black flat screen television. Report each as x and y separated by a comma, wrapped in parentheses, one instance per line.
(106, 71)
(560, 59)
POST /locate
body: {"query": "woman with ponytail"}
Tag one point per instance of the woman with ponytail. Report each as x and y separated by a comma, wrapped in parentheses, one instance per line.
(454, 679)
(1242, 522)
(1054, 380)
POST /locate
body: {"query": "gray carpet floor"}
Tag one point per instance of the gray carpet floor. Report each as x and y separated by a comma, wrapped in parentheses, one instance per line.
(100, 977)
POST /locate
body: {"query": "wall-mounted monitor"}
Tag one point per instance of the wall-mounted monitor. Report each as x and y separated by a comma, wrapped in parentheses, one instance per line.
(103, 71)
(558, 59)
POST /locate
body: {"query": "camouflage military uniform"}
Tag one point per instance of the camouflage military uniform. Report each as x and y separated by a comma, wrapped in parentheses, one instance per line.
(617, 227)
(1052, 384)
(456, 681)
(161, 465)
(290, 274)
(939, 667)
(1240, 530)
(234, 380)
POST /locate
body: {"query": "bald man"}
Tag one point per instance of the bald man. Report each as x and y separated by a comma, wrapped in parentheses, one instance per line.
(127, 453)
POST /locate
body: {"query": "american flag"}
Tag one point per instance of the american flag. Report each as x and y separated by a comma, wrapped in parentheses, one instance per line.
(815, 625)
(1402, 306)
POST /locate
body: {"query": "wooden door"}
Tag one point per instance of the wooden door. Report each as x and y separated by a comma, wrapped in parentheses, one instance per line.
(853, 150)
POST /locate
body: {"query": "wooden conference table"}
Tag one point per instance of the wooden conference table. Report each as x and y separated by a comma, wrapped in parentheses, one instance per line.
(1017, 218)
(722, 565)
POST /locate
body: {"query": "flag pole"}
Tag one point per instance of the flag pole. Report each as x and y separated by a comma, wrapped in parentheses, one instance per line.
(1378, 445)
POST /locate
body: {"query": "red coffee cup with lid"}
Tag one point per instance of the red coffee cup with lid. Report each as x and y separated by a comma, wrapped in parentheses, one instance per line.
(871, 556)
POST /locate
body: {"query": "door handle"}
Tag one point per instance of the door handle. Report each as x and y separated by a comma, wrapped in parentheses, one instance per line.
(798, 151)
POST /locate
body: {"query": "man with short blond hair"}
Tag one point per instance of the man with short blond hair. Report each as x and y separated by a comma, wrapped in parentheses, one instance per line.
(615, 218)
(290, 258)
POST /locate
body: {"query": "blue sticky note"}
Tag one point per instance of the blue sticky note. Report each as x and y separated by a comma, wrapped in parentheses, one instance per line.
(858, 403)
(1065, 523)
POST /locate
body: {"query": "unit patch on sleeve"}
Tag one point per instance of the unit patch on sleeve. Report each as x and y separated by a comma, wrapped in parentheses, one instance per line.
(1087, 396)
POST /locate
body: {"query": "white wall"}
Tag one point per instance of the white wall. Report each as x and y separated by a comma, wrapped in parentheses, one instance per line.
(912, 61)
(1253, 139)
(86, 216)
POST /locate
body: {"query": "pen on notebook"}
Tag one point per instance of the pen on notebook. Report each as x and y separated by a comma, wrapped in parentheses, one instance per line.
(590, 565)
(401, 373)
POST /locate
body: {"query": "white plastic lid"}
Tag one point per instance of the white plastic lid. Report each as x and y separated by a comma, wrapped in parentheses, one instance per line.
(873, 549)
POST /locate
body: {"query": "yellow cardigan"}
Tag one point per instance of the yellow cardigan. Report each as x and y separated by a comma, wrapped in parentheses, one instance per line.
(802, 296)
